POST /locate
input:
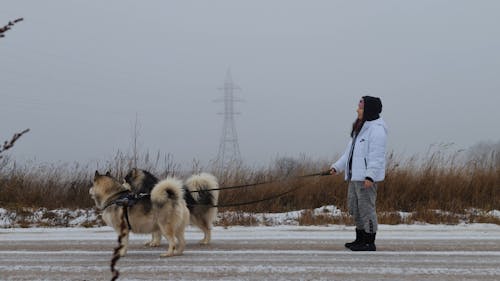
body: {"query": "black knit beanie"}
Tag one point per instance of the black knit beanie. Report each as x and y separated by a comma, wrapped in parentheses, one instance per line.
(372, 108)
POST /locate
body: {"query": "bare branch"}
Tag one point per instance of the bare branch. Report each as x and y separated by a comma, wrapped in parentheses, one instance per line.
(9, 144)
(8, 26)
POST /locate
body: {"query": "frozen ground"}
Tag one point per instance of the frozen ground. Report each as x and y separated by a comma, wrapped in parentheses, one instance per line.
(405, 252)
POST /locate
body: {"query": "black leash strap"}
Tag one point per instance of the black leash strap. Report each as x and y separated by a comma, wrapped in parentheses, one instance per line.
(258, 201)
(324, 173)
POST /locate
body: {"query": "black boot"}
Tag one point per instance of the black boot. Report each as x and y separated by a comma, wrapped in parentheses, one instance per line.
(368, 243)
(359, 238)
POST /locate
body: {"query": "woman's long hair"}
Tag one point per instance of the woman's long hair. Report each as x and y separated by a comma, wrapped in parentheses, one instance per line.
(356, 127)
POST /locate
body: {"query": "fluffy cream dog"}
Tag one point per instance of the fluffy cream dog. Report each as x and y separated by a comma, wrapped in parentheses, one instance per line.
(163, 213)
(200, 193)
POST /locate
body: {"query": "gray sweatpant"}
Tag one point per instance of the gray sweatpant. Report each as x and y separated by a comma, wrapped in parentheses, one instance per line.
(361, 205)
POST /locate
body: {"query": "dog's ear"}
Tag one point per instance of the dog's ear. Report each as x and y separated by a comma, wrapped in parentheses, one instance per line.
(135, 171)
(108, 173)
(96, 174)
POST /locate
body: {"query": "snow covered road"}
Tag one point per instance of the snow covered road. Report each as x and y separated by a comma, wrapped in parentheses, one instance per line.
(405, 252)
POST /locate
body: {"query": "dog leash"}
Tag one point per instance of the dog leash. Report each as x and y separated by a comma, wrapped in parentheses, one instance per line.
(255, 201)
(131, 198)
(323, 173)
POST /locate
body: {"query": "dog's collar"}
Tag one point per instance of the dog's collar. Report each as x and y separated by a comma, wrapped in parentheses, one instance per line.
(126, 199)
(117, 197)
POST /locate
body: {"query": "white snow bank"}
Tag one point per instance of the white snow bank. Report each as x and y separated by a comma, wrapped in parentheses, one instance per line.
(90, 217)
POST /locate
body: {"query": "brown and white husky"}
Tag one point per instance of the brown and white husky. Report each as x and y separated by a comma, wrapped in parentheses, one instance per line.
(199, 194)
(163, 213)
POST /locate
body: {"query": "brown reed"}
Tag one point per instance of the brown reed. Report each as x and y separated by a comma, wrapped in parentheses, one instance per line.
(436, 182)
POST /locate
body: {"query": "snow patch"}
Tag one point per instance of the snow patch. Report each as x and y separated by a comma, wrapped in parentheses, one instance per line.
(90, 217)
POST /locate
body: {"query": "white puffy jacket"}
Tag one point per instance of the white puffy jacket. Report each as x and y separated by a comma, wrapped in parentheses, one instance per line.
(368, 158)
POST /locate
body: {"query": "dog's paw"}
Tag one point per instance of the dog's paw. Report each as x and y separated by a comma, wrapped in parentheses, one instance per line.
(203, 242)
(167, 255)
(152, 244)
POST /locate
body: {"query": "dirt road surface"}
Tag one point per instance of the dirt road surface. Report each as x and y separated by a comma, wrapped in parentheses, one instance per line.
(427, 252)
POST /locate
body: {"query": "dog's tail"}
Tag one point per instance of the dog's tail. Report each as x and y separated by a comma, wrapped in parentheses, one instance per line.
(167, 190)
(202, 183)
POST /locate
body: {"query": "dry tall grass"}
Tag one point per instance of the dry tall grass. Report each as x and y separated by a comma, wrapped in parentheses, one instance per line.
(419, 186)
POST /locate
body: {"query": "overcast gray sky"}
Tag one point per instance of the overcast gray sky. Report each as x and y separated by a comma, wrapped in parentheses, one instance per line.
(77, 73)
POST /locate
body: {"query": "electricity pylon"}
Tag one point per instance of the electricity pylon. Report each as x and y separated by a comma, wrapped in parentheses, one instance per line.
(229, 155)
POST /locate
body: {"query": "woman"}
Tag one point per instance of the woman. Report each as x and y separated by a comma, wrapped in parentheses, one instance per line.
(364, 166)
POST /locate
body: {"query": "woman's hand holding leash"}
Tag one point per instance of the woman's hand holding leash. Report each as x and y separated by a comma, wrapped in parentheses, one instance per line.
(368, 183)
(328, 172)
